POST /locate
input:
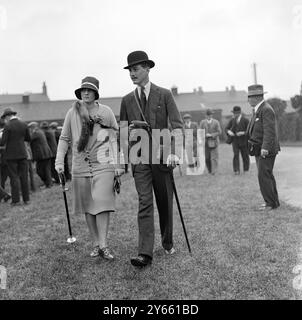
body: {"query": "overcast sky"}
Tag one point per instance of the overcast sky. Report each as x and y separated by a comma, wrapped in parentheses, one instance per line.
(208, 43)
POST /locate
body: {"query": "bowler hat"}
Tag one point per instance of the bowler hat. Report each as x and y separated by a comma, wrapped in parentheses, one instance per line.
(187, 116)
(137, 57)
(209, 112)
(8, 112)
(88, 83)
(255, 90)
(236, 109)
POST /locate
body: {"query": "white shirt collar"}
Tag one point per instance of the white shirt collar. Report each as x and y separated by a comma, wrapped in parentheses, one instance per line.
(239, 118)
(209, 120)
(258, 105)
(147, 89)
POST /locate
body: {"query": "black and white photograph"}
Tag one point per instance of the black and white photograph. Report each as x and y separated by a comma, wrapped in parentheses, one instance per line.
(150, 153)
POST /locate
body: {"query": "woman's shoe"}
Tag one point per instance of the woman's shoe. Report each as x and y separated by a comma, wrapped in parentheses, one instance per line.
(106, 254)
(95, 252)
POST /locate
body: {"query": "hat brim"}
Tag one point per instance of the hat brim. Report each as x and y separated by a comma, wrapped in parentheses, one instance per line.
(149, 62)
(260, 93)
(8, 114)
(87, 86)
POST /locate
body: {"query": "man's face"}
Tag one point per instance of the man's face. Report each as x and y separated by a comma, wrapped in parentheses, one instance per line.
(87, 95)
(187, 121)
(139, 74)
(209, 116)
(254, 100)
(237, 114)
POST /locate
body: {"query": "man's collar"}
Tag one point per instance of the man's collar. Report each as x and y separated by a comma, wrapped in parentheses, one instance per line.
(258, 105)
(147, 89)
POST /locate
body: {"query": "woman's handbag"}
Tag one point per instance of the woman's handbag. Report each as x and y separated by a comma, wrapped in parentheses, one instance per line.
(212, 143)
(117, 184)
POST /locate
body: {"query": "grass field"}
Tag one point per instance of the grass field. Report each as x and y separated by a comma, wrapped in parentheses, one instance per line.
(237, 252)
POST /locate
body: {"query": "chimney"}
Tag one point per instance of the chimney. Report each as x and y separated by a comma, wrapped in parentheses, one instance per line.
(44, 89)
(25, 98)
(194, 90)
(174, 91)
(233, 88)
(200, 91)
(227, 89)
(301, 90)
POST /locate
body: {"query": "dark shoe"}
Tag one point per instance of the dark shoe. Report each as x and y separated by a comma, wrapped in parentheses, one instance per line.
(141, 260)
(15, 204)
(7, 197)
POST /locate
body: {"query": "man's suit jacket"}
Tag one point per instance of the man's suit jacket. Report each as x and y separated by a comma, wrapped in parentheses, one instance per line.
(161, 109)
(39, 146)
(14, 134)
(263, 129)
(236, 127)
(51, 140)
(212, 128)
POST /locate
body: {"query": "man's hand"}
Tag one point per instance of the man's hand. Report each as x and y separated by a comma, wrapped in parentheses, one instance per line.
(231, 133)
(240, 133)
(118, 172)
(264, 153)
(172, 160)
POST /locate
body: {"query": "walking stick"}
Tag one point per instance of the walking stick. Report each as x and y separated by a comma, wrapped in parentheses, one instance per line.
(71, 239)
(179, 210)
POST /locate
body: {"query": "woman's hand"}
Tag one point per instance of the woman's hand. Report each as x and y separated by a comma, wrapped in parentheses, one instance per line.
(118, 172)
(59, 168)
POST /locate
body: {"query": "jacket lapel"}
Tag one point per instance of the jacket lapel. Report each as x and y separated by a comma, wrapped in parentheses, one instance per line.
(135, 110)
(153, 103)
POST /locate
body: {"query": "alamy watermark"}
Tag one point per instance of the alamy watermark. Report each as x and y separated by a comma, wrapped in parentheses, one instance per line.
(3, 277)
(297, 17)
(3, 18)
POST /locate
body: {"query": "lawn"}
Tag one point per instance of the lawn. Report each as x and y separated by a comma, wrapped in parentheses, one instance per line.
(237, 252)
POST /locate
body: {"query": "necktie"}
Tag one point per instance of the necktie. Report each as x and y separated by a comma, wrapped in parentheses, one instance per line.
(143, 99)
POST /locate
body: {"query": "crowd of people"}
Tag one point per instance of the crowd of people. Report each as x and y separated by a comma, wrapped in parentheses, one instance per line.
(24, 149)
(90, 129)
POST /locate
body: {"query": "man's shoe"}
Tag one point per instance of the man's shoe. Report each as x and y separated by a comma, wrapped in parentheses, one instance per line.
(7, 197)
(26, 203)
(15, 204)
(265, 208)
(106, 254)
(170, 252)
(236, 173)
(141, 260)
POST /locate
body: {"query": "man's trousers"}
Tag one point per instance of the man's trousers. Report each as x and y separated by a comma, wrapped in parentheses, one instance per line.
(150, 178)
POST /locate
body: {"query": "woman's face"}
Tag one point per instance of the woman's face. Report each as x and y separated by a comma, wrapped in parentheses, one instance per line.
(87, 95)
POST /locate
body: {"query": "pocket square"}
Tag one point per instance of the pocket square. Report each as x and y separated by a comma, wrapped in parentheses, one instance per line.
(257, 119)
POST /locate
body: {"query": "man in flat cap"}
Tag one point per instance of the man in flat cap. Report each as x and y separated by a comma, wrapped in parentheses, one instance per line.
(236, 132)
(156, 107)
(264, 145)
(15, 133)
(212, 132)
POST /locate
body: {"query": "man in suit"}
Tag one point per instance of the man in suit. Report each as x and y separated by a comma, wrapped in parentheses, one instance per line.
(264, 144)
(236, 130)
(191, 144)
(52, 143)
(41, 153)
(155, 105)
(15, 133)
(212, 132)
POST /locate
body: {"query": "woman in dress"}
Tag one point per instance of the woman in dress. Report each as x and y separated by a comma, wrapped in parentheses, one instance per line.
(91, 129)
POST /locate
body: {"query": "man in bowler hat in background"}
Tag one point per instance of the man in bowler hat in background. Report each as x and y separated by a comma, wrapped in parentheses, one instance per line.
(14, 135)
(263, 139)
(155, 105)
(236, 131)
